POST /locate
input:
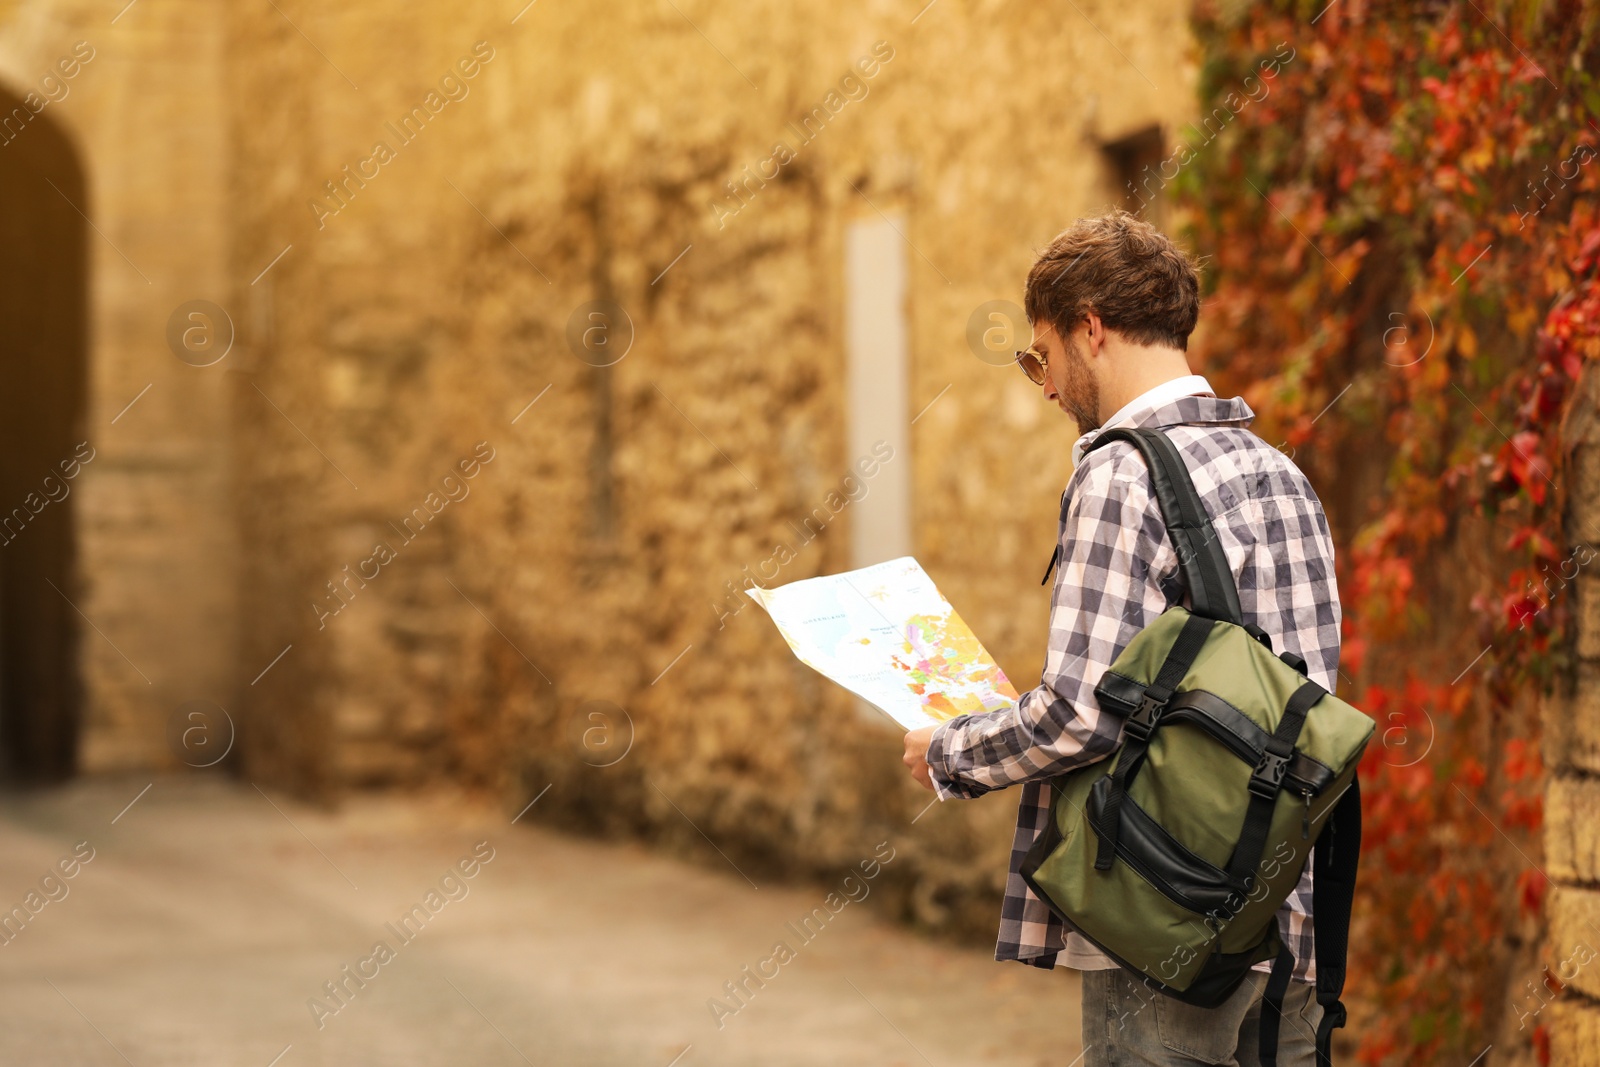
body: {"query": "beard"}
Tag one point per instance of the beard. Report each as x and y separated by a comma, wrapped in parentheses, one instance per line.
(1080, 397)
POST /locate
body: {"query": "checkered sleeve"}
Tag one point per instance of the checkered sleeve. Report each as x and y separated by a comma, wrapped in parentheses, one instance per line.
(1117, 572)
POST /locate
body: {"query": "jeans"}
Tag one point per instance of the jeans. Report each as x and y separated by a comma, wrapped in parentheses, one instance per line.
(1126, 1024)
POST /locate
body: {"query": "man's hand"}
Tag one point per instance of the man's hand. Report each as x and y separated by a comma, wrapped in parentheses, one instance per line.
(916, 756)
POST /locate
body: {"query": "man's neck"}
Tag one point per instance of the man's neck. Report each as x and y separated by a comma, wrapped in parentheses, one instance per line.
(1148, 368)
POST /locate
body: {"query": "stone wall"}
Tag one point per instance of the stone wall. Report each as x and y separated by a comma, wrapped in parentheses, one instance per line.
(145, 113)
(574, 604)
(400, 317)
(1572, 757)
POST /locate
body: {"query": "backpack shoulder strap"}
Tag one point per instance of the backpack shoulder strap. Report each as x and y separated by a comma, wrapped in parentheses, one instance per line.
(1333, 886)
(1334, 862)
(1205, 569)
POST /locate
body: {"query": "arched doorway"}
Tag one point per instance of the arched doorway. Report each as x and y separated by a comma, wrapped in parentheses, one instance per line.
(43, 334)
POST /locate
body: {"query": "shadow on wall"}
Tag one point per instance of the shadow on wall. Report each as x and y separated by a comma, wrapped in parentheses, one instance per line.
(43, 445)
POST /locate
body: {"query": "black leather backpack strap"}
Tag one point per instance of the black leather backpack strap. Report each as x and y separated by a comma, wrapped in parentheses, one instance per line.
(1205, 569)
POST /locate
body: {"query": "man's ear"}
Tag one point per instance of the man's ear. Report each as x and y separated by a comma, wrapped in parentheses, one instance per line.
(1094, 333)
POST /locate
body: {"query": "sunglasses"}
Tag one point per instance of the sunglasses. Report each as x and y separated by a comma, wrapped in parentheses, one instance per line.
(1033, 364)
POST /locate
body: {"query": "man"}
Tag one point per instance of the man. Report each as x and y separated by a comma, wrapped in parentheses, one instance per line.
(1112, 302)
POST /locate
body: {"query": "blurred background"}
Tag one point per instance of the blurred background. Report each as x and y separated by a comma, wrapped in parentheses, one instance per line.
(396, 403)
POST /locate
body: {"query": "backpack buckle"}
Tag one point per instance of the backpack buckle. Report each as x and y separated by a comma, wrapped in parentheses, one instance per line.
(1267, 779)
(1142, 723)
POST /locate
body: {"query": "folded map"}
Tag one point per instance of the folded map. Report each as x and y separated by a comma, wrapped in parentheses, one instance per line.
(888, 635)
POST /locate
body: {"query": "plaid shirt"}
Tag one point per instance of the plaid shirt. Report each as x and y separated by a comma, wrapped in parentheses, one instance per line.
(1117, 572)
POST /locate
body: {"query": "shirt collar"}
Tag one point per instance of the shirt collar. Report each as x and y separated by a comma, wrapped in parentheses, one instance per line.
(1187, 399)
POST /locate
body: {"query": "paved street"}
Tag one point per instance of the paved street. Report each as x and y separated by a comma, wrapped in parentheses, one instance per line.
(210, 914)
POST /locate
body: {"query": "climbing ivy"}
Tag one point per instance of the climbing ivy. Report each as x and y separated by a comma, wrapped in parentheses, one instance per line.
(1401, 239)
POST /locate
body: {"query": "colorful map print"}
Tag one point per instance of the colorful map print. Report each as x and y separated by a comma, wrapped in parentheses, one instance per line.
(888, 635)
(946, 665)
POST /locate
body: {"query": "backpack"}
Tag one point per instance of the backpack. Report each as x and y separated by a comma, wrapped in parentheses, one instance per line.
(1173, 856)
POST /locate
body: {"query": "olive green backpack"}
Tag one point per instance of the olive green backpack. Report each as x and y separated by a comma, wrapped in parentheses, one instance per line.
(1173, 856)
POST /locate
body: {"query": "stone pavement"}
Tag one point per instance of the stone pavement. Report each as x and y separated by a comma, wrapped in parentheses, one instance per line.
(211, 914)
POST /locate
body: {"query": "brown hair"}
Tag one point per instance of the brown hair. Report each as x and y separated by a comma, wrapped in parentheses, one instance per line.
(1123, 269)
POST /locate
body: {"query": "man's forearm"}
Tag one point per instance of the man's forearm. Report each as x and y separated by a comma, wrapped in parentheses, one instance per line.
(1040, 737)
